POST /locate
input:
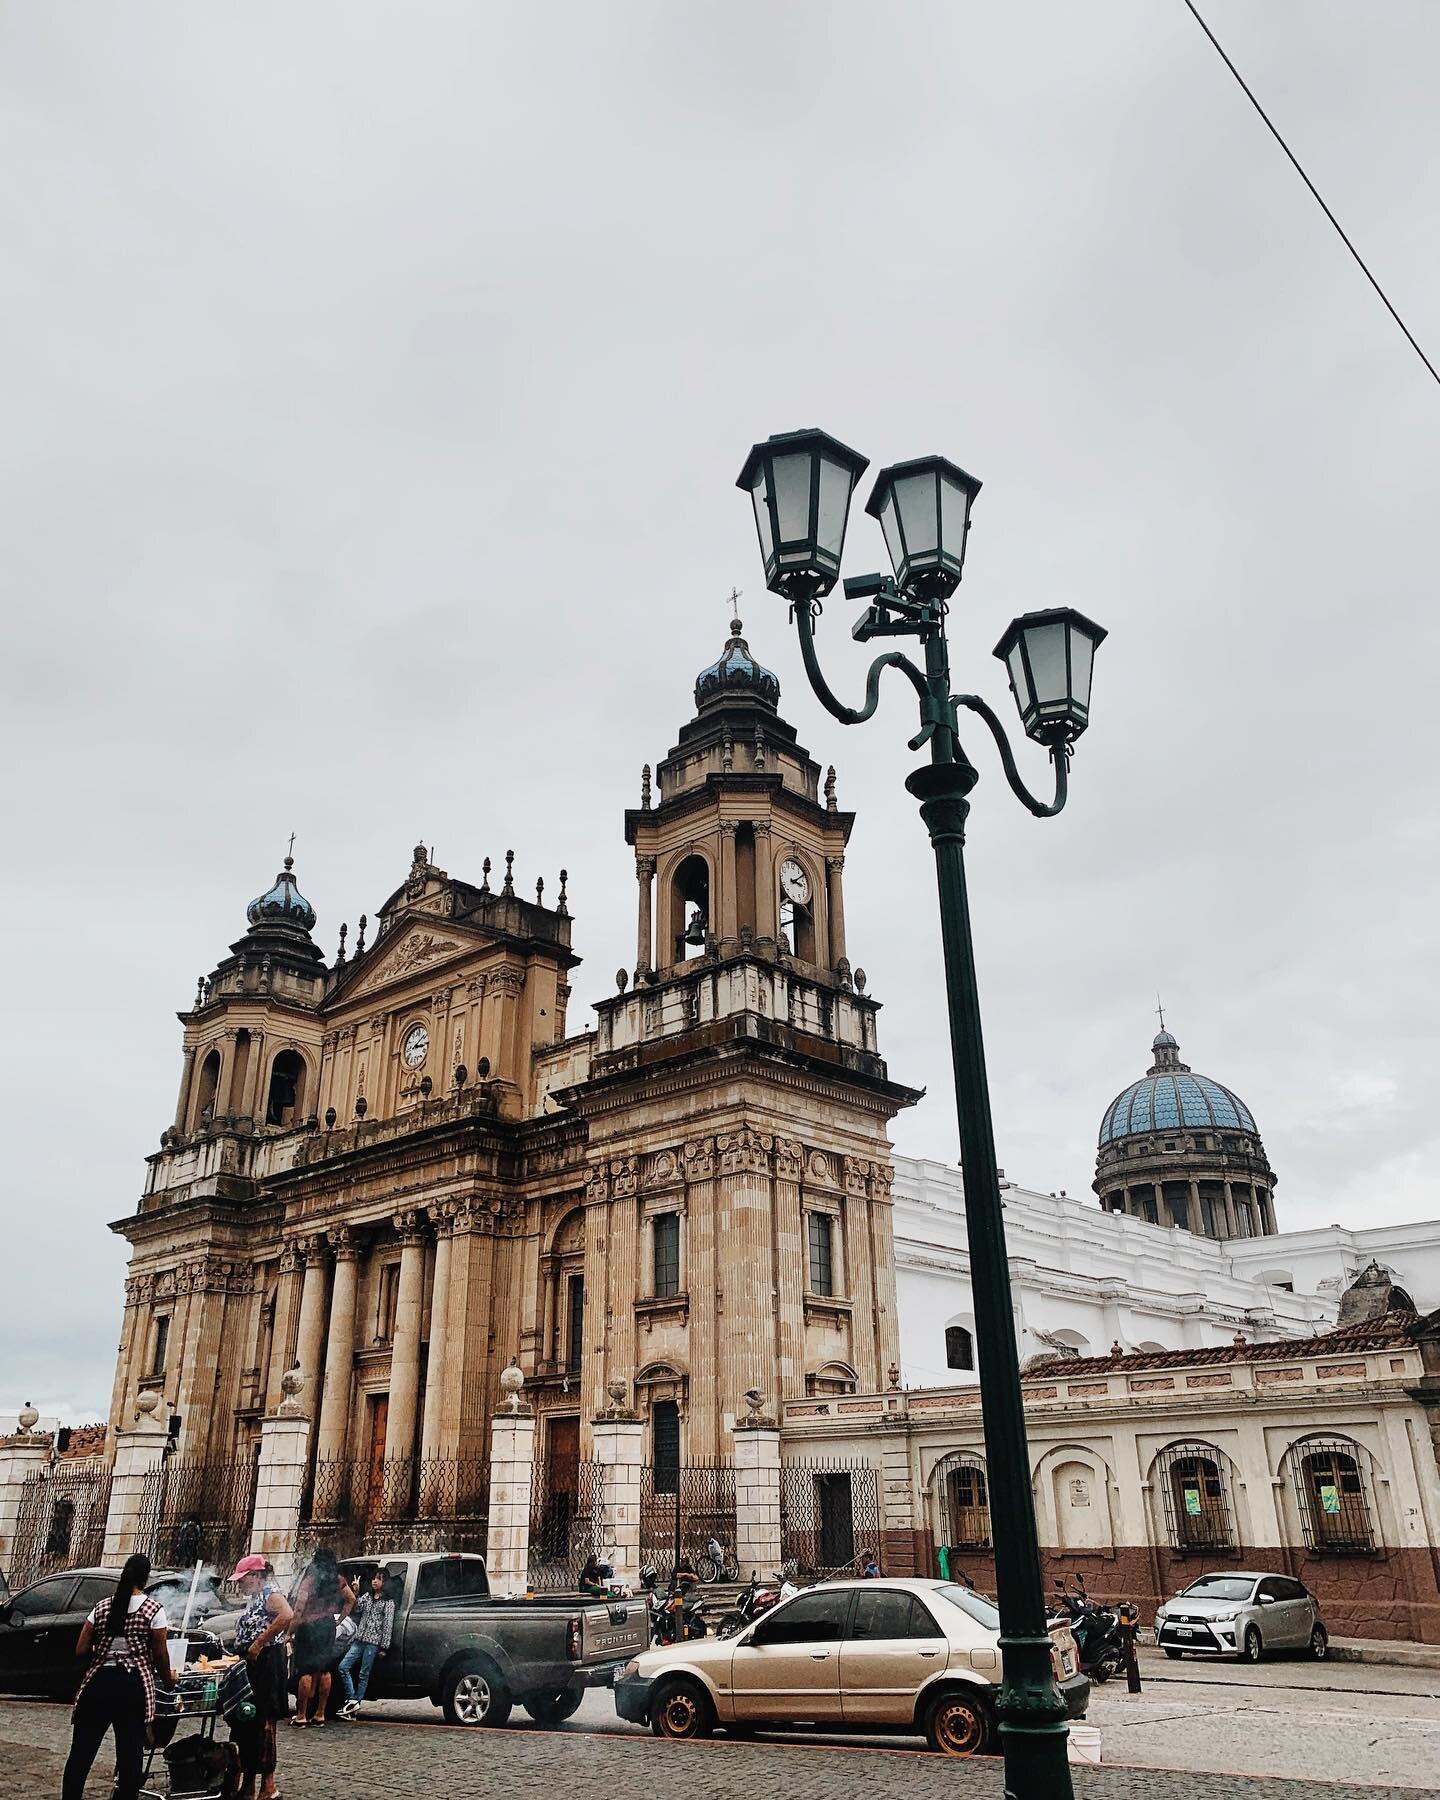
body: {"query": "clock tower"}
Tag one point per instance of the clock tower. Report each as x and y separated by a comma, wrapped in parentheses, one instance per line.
(737, 1106)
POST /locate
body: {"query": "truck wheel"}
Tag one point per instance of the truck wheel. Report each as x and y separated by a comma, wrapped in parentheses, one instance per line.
(476, 1695)
(553, 1709)
(681, 1709)
(958, 1724)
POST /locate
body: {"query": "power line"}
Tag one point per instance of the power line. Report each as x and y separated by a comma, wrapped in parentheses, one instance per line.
(1435, 374)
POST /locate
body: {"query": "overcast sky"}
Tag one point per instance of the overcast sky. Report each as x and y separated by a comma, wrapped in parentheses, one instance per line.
(374, 384)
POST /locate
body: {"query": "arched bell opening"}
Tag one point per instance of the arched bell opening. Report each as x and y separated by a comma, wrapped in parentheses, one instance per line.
(285, 1102)
(689, 910)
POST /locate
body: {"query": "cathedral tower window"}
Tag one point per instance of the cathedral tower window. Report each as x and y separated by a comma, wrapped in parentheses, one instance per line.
(575, 1322)
(287, 1089)
(959, 1348)
(665, 1445)
(667, 1255)
(689, 910)
(208, 1088)
(159, 1346)
(821, 1230)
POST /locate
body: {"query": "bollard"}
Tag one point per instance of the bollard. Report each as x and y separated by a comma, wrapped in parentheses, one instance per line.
(1129, 1616)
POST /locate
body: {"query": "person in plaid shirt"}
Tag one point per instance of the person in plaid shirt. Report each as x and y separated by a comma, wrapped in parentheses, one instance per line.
(374, 1625)
(124, 1637)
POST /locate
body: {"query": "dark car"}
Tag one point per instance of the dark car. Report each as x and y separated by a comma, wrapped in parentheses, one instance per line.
(40, 1626)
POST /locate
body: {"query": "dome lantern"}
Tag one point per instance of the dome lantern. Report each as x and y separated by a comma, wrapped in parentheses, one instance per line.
(283, 903)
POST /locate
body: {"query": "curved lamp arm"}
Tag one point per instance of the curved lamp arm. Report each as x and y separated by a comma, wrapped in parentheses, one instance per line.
(1060, 755)
(847, 715)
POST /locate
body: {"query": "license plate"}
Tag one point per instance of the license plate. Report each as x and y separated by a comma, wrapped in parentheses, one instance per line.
(1185, 1631)
(1067, 1663)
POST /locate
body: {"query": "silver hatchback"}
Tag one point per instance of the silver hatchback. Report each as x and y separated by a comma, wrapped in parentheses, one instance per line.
(1242, 1615)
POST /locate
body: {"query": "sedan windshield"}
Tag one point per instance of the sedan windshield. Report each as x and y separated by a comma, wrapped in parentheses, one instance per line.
(1219, 1587)
(983, 1611)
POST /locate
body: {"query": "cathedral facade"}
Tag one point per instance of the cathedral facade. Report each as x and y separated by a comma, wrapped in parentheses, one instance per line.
(399, 1172)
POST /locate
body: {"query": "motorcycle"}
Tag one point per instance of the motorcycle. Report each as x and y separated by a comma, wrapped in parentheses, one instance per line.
(1096, 1630)
(754, 1600)
(677, 1613)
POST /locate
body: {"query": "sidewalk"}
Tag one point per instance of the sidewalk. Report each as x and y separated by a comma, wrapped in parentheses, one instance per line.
(1386, 1650)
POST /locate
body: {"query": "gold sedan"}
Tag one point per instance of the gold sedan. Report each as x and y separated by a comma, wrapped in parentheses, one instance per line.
(876, 1656)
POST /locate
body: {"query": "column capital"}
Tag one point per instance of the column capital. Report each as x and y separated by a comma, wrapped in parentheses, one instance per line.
(834, 864)
(344, 1244)
(442, 1216)
(644, 867)
(410, 1226)
(729, 827)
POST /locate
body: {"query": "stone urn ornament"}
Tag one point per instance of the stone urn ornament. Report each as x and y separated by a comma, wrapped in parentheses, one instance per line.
(512, 1379)
(292, 1385)
(619, 1392)
(28, 1419)
(147, 1403)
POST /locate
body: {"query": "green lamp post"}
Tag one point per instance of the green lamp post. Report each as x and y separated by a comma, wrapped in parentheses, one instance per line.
(801, 484)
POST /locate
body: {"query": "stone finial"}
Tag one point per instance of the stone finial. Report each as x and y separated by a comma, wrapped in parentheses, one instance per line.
(147, 1404)
(360, 941)
(540, 890)
(509, 887)
(754, 1400)
(892, 1375)
(340, 953)
(619, 1392)
(562, 905)
(621, 979)
(512, 1379)
(860, 979)
(727, 749)
(831, 804)
(1239, 1340)
(485, 876)
(645, 788)
(292, 1384)
(759, 748)
(1116, 1347)
(362, 1106)
(28, 1419)
(199, 992)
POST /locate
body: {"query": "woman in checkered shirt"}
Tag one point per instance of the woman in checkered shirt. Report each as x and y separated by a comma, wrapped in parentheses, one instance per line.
(124, 1637)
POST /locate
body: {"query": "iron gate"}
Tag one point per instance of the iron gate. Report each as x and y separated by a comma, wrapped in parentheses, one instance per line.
(567, 1502)
(194, 1511)
(703, 1493)
(829, 1515)
(60, 1523)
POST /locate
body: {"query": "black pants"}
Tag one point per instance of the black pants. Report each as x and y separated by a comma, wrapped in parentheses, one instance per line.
(115, 1699)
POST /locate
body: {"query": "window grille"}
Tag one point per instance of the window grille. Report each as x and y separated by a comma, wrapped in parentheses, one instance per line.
(1195, 1496)
(822, 1270)
(575, 1336)
(1330, 1492)
(667, 1255)
(959, 1348)
(964, 1504)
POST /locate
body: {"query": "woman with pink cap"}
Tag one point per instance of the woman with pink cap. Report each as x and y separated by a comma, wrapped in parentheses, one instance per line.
(260, 1639)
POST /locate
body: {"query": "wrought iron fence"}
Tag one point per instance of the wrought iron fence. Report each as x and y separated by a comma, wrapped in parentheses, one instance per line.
(699, 1497)
(1195, 1495)
(335, 1504)
(567, 1501)
(60, 1522)
(1330, 1493)
(194, 1511)
(964, 1495)
(398, 1506)
(829, 1515)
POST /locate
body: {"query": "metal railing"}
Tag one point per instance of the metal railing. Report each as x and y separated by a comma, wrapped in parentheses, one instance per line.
(60, 1522)
(395, 1506)
(567, 1501)
(193, 1510)
(829, 1515)
(705, 1495)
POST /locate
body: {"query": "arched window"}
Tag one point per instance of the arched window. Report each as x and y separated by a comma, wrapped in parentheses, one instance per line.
(287, 1089)
(959, 1348)
(797, 918)
(964, 1503)
(208, 1088)
(1193, 1493)
(689, 908)
(1334, 1507)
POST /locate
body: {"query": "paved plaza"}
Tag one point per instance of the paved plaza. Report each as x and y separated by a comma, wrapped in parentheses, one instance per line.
(1280, 1732)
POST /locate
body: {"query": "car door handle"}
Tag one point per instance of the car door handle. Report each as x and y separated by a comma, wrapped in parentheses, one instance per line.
(819, 1655)
(929, 1652)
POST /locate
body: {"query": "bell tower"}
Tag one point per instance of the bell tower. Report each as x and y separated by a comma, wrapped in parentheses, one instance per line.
(738, 1219)
(740, 853)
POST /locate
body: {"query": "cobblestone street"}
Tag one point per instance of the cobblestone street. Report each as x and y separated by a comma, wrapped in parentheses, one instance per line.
(1347, 1732)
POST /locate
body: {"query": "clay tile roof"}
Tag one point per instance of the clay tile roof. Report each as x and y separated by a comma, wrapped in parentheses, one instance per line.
(1371, 1334)
(85, 1440)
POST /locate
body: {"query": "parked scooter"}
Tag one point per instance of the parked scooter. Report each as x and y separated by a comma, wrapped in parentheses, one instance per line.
(677, 1613)
(1096, 1630)
(754, 1600)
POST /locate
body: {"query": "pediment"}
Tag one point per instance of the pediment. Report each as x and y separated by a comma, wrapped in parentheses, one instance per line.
(419, 944)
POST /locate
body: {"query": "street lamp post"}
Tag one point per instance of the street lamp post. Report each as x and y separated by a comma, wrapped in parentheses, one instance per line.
(801, 485)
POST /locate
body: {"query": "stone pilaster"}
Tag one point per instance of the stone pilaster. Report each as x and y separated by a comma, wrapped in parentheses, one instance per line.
(405, 1350)
(339, 1350)
(512, 1469)
(310, 1332)
(25, 1454)
(757, 1496)
(442, 1216)
(618, 1440)
(139, 1450)
(279, 1487)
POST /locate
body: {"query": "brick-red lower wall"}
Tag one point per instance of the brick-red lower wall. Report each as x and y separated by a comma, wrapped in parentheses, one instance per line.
(1396, 1595)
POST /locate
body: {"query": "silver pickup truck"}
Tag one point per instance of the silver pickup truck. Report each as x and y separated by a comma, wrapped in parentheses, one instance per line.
(475, 1654)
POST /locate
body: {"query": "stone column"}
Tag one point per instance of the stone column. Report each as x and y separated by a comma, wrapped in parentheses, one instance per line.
(835, 900)
(512, 1467)
(1197, 1218)
(1232, 1222)
(23, 1454)
(187, 1078)
(618, 1437)
(139, 1450)
(644, 937)
(310, 1333)
(442, 1217)
(285, 1336)
(405, 1347)
(339, 1350)
(725, 917)
(1265, 1201)
(765, 924)
(757, 1496)
(280, 1481)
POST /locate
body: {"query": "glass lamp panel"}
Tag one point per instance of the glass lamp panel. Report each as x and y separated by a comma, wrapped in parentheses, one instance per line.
(1016, 662)
(762, 517)
(1046, 645)
(792, 498)
(954, 506)
(1082, 662)
(918, 503)
(889, 524)
(836, 482)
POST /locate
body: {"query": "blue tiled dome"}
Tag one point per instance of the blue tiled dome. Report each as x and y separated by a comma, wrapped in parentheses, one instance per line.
(1171, 1098)
(736, 673)
(284, 902)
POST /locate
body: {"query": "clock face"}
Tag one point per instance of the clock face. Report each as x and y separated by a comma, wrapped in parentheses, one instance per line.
(416, 1047)
(794, 882)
